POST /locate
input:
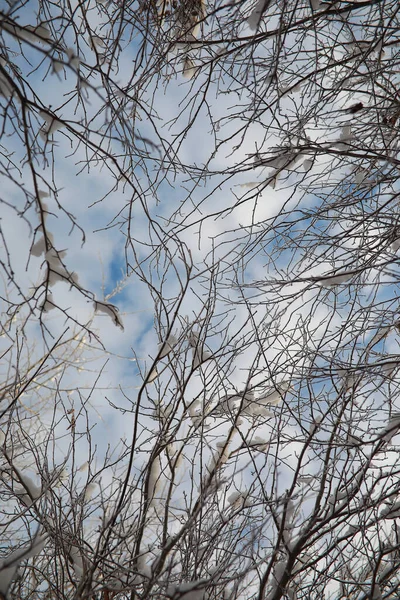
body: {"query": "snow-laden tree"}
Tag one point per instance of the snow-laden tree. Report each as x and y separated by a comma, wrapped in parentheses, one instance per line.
(199, 300)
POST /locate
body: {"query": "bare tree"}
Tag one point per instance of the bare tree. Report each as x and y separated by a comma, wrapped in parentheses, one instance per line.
(199, 300)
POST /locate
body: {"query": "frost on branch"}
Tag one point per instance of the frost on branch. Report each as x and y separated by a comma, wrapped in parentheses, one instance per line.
(234, 497)
(90, 490)
(152, 376)
(254, 19)
(199, 354)
(109, 309)
(56, 270)
(189, 68)
(166, 347)
(346, 134)
(162, 412)
(29, 33)
(144, 562)
(329, 282)
(276, 394)
(6, 89)
(258, 407)
(23, 486)
(391, 428)
(192, 590)
(154, 478)
(259, 443)
(227, 405)
(48, 303)
(307, 164)
(9, 565)
(28, 491)
(279, 159)
(51, 124)
(73, 59)
(97, 42)
(248, 403)
(39, 247)
(391, 510)
(77, 562)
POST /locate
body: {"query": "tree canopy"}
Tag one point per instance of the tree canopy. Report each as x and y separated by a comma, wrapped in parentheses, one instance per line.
(199, 236)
